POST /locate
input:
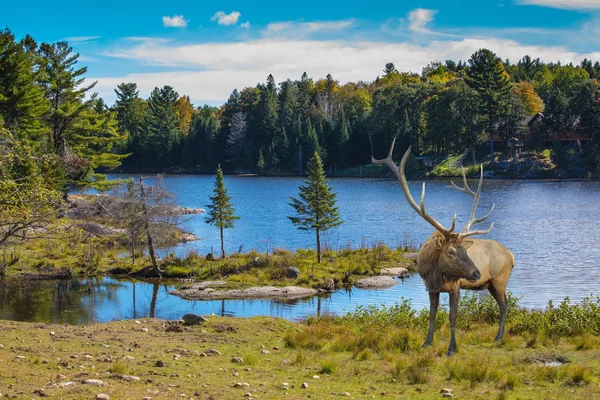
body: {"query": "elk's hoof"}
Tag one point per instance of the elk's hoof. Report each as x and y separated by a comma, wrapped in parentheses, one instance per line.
(450, 353)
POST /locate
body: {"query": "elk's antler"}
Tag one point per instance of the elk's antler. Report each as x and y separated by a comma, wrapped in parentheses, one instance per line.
(399, 172)
(465, 232)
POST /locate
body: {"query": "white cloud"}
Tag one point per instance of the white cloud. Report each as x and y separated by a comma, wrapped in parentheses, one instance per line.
(419, 18)
(147, 39)
(295, 29)
(176, 21)
(81, 39)
(245, 25)
(564, 4)
(213, 70)
(226, 19)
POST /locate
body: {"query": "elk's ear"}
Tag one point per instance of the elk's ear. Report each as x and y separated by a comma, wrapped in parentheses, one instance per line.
(467, 243)
(440, 241)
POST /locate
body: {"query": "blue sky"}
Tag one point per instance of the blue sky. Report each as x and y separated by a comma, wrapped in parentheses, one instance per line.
(205, 51)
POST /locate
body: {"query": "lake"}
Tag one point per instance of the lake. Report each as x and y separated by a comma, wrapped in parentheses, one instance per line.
(551, 227)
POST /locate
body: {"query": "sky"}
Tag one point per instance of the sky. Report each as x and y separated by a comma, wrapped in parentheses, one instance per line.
(206, 50)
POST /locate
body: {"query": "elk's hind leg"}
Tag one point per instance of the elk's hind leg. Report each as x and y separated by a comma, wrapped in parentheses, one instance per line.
(499, 293)
(434, 301)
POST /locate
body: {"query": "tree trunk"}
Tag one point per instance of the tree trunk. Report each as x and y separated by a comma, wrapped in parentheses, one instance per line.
(222, 245)
(491, 129)
(491, 149)
(147, 227)
(318, 246)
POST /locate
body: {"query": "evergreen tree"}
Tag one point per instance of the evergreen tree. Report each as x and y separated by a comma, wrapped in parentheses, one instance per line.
(130, 110)
(162, 134)
(486, 74)
(22, 100)
(220, 210)
(316, 209)
(82, 132)
(260, 165)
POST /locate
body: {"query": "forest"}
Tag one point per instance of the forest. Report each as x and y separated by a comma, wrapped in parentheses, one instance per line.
(55, 122)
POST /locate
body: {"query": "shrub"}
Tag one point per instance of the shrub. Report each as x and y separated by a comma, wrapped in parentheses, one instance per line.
(327, 367)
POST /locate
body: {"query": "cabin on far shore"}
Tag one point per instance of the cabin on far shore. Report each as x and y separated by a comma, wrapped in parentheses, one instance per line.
(533, 124)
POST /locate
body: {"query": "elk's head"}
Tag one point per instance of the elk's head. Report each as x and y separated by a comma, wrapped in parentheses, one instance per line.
(448, 256)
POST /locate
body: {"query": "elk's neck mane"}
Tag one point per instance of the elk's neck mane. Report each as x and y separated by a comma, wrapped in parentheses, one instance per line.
(428, 264)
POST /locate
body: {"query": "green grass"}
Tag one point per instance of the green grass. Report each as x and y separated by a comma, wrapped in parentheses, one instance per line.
(99, 256)
(355, 353)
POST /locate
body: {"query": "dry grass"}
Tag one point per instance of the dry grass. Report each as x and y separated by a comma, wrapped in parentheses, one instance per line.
(344, 360)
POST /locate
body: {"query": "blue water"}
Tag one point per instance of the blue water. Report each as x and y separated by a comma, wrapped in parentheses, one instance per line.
(551, 227)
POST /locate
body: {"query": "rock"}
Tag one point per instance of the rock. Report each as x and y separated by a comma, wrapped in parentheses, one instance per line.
(213, 352)
(40, 392)
(61, 377)
(275, 347)
(316, 377)
(304, 385)
(265, 351)
(344, 394)
(128, 358)
(248, 394)
(447, 395)
(88, 357)
(292, 273)
(446, 390)
(238, 360)
(160, 364)
(375, 282)
(130, 378)
(144, 329)
(285, 384)
(195, 292)
(93, 382)
(65, 384)
(102, 396)
(74, 357)
(20, 357)
(399, 272)
(193, 319)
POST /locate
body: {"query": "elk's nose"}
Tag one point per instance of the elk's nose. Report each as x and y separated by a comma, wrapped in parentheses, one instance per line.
(476, 275)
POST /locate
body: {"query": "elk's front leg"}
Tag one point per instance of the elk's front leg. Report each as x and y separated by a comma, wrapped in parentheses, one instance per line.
(454, 296)
(434, 301)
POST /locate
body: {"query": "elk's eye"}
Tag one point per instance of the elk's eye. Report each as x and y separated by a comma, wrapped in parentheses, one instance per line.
(451, 252)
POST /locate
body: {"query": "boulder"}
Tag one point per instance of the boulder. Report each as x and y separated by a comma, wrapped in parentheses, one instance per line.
(292, 273)
(193, 319)
(399, 272)
(375, 282)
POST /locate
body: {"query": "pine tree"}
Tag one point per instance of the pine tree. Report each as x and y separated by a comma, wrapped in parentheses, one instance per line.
(82, 133)
(22, 101)
(316, 209)
(220, 210)
(260, 165)
(161, 123)
(486, 74)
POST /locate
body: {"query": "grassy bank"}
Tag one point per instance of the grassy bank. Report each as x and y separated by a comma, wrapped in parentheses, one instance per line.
(93, 256)
(371, 353)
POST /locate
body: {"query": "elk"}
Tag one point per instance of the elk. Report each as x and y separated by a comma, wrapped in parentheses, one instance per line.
(449, 261)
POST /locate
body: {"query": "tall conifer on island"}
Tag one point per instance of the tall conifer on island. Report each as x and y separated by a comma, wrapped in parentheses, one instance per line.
(316, 209)
(220, 209)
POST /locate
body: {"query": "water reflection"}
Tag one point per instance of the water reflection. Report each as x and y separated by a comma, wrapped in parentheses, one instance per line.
(108, 299)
